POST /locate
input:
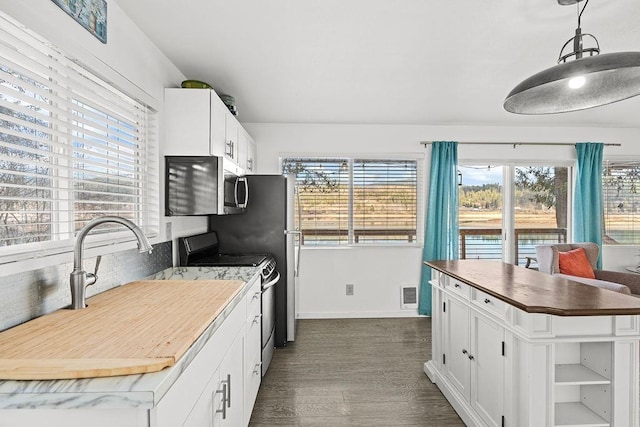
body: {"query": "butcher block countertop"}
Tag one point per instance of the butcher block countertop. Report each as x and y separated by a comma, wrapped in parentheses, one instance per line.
(536, 292)
(144, 389)
(140, 327)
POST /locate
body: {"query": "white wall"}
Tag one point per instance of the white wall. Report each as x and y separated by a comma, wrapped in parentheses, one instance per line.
(378, 272)
(128, 59)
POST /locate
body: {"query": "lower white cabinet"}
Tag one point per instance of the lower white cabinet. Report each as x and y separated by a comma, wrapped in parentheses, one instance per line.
(500, 366)
(473, 359)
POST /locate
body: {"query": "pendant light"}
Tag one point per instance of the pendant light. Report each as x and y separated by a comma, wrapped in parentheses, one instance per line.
(583, 78)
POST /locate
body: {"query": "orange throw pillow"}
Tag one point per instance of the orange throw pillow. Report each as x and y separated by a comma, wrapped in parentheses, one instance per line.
(575, 263)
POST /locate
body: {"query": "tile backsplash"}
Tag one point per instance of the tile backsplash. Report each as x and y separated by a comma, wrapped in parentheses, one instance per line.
(24, 296)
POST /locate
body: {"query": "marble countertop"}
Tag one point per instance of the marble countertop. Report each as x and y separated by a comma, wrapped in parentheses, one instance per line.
(128, 391)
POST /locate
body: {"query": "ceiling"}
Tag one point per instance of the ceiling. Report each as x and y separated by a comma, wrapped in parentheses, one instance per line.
(383, 61)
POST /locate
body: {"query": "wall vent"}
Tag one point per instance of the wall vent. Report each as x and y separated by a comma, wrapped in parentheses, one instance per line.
(409, 297)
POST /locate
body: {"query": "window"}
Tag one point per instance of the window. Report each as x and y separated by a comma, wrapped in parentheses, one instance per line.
(621, 202)
(356, 201)
(506, 210)
(72, 147)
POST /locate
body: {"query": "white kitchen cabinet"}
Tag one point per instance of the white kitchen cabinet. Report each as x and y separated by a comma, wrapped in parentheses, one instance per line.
(473, 360)
(194, 122)
(252, 155)
(197, 123)
(499, 365)
(487, 369)
(232, 130)
(221, 402)
(455, 359)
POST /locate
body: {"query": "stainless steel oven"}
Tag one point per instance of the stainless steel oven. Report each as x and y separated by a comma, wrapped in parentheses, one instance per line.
(202, 251)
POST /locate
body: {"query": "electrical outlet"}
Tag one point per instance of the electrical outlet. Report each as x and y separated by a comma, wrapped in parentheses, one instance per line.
(167, 230)
(349, 289)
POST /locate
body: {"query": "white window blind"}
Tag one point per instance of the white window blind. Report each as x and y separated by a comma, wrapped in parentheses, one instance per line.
(72, 147)
(384, 200)
(354, 201)
(621, 200)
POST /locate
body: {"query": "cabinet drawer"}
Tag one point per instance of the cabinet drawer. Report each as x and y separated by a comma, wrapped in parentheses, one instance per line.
(252, 380)
(253, 339)
(489, 303)
(457, 287)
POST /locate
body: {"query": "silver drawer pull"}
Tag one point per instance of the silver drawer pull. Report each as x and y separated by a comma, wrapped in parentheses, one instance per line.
(256, 295)
(457, 285)
(464, 351)
(487, 300)
(256, 319)
(224, 401)
(256, 369)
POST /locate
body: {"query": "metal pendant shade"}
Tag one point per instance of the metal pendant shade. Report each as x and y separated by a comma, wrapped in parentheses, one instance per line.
(609, 78)
(581, 83)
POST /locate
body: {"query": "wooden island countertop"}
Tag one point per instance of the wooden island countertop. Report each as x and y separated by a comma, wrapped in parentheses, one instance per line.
(536, 292)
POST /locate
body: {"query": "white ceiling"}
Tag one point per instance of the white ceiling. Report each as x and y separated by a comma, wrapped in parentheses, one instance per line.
(382, 61)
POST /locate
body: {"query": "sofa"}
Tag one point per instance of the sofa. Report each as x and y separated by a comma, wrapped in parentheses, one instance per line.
(548, 262)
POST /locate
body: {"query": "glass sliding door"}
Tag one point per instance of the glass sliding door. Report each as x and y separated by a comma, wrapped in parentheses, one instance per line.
(540, 208)
(480, 211)
(506, 210)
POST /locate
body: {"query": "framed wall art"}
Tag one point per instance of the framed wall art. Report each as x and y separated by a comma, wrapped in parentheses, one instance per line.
(91, 14)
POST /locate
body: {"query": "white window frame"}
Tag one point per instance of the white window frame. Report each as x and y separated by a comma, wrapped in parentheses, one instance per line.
(420, 189)
(508, 211)
(12, 258)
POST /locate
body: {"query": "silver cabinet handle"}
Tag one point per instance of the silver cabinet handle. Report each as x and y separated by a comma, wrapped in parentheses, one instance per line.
(224, 401)
(464, 351)
(228, 390)
(487, 300)
(256, 369)
(456, 285)
(256, 295)
(256, 319)
(470, 357)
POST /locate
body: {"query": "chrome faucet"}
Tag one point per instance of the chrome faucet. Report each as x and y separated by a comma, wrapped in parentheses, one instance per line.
(80, 279)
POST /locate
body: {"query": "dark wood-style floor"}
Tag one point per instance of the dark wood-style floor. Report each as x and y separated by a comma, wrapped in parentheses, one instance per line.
(353, 372)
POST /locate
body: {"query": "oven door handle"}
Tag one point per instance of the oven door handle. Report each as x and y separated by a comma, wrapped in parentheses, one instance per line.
(271, 282)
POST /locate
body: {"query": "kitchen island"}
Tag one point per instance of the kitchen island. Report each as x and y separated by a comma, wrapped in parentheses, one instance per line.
(171, 396)
(516, 347)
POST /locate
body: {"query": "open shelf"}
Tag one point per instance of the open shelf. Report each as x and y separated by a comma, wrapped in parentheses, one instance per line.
(575, 414)
(575, 374)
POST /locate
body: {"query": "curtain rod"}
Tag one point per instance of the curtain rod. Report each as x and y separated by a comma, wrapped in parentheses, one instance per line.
(515, 144)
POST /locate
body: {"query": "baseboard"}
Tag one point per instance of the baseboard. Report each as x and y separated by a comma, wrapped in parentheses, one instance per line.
(359, 315)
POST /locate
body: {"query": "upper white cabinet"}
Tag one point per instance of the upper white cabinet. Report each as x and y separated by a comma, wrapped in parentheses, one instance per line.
(197, 123)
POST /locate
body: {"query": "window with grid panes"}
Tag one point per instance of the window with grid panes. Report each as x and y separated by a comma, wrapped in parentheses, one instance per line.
(72, 148)
(356, 201)
(621, 202)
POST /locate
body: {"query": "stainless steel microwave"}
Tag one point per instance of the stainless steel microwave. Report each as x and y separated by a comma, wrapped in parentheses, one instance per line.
(201, 185)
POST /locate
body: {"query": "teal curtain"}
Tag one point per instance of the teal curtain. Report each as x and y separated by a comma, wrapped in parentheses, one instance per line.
(588, 209)
(441, 225)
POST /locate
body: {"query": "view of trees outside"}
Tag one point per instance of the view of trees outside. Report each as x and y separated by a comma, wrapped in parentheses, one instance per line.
(621, 202)
(25, 189)
(356, 201)
(93, 175)
(540, 209)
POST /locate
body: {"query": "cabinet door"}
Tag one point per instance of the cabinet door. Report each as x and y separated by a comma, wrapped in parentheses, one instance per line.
(204, 411)
(231, 374)
(456, 345)
(187, 118)
(219, 113)
(487, 369)
(252, 152)
(231, 137)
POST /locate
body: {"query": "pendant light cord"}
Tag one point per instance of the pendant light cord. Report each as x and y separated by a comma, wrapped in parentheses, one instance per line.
(581, 11)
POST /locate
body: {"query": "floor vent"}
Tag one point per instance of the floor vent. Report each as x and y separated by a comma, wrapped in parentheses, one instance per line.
(409, 297)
